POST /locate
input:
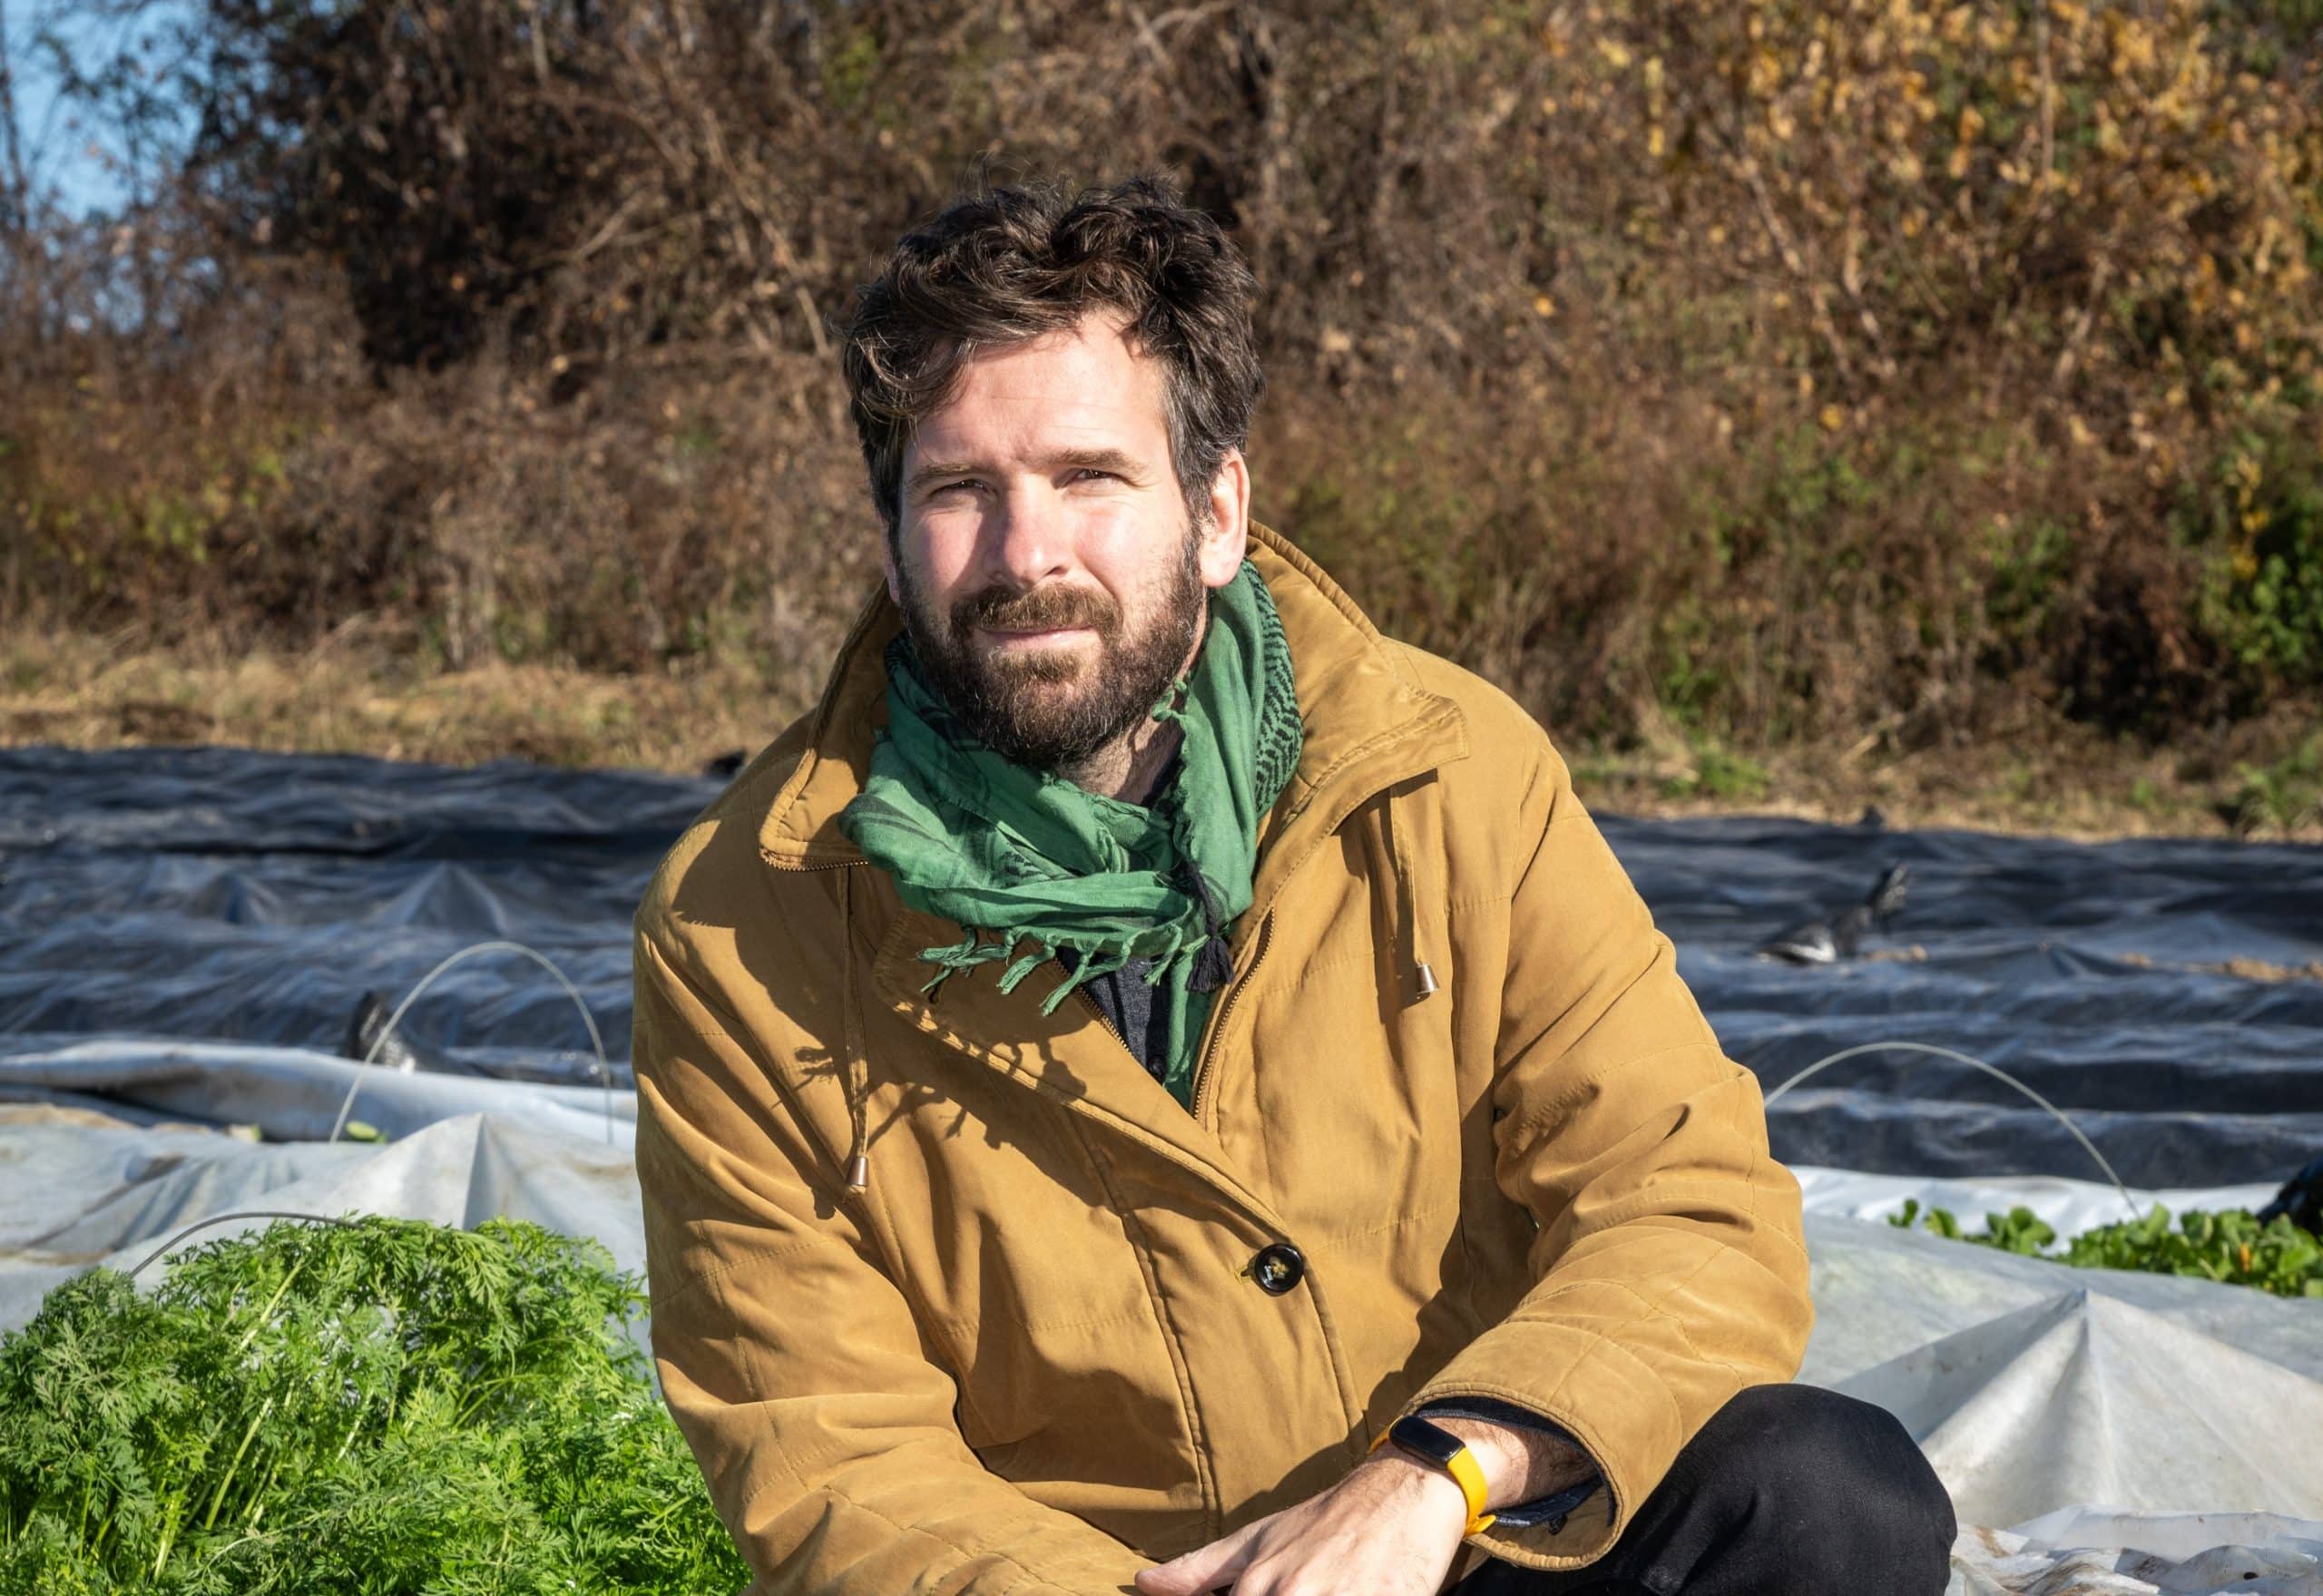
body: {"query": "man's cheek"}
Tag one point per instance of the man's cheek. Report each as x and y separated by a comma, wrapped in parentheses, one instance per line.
(939, 545)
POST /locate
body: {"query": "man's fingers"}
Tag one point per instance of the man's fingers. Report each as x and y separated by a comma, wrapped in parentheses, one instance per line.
(1205, 1567)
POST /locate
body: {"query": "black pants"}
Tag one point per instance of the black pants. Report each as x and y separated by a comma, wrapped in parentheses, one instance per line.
(1788, 1490)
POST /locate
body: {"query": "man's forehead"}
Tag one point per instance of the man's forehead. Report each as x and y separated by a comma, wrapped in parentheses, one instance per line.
(1074, 389)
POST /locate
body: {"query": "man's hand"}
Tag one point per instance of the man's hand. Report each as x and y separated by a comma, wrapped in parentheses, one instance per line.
(1390, 1528)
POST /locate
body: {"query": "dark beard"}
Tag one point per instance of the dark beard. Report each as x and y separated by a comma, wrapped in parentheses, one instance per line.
(1005, 703)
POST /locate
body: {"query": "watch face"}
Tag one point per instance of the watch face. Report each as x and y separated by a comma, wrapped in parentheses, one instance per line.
(1415, 1434)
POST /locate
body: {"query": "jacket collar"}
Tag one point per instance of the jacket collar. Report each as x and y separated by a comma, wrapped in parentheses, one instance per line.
(1367, 724)
(1366, 720)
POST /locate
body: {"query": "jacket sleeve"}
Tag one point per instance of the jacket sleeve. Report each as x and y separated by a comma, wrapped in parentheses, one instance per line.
(791, 1360)
(1669, 1269)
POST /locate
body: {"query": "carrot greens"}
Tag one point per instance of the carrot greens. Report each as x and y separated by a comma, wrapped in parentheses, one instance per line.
(376, 1407)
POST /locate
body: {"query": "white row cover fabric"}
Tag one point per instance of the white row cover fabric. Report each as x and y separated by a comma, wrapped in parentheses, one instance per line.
(2067, 1206)
(2033, 1388)
(2091, 1552)
(294, 1093)
(76, 1194)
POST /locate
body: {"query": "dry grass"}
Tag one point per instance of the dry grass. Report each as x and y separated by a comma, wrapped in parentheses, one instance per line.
(86, 695)
(2066, 783)
(347, 697)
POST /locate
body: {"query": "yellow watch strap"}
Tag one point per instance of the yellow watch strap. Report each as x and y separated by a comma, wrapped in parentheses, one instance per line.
(1471, 1475)
(1467, 1473)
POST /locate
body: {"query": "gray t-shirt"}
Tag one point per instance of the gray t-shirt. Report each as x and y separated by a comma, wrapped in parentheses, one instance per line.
(1128, 1002)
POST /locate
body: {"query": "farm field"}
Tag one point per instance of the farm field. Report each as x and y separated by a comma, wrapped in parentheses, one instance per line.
(186, 936)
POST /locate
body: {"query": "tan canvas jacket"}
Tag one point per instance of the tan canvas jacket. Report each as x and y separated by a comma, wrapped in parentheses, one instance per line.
(1032, 1356)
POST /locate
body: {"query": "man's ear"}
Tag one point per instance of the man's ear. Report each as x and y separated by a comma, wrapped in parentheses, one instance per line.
(888, 537)
(1227, 538)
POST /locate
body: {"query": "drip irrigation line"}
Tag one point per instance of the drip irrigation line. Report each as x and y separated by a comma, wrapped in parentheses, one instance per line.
(1994, 1070)
(245, 1213)
(371, 1053)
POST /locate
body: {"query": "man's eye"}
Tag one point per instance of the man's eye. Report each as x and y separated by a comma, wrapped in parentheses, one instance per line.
(1094, 474)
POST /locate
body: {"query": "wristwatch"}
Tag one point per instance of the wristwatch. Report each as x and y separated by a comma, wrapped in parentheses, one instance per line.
(1440, 1447)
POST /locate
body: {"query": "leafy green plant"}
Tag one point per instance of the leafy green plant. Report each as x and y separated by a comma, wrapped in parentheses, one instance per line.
(382, 1405)
(2282, 794)
(1719, 773)
(2232, 1246)
(2259, 514)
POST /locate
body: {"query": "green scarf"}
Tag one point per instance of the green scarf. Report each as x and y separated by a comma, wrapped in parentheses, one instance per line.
(1018, 856)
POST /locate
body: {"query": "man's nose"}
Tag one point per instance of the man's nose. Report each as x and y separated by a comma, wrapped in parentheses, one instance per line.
(1031, 538)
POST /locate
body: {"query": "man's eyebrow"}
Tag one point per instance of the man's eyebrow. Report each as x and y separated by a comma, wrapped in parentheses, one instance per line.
(936, 470)
(1119, 462)
(1099, 459)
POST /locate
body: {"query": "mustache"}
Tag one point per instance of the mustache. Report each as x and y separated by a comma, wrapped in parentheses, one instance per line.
(1040, 609)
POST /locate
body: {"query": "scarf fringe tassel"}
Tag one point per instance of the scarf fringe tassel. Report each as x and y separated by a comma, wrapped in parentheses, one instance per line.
(1211, 967)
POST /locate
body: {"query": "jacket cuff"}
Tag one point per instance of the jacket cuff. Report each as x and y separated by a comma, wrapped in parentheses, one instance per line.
(1553, 1508)
(1614, 1404)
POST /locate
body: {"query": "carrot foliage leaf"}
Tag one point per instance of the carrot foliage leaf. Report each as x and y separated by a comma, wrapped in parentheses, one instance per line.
(380, 1406)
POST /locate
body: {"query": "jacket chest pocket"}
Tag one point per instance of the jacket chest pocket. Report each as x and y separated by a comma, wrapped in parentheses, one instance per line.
(1028, 1280)
(1067, 1334)
(1343, 1082)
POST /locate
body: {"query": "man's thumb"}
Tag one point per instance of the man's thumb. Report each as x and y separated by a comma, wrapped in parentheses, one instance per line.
(1204, 1569)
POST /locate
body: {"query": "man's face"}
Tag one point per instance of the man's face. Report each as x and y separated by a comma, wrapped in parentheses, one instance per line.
(1048, 569)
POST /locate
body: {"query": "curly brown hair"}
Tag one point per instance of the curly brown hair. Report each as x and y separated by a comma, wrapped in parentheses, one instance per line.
(1010, 263)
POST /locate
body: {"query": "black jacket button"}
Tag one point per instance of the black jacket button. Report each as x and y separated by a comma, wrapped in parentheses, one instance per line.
(1277, 1268)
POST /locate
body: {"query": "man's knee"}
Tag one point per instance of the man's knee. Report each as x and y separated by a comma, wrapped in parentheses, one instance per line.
(1838, 1483)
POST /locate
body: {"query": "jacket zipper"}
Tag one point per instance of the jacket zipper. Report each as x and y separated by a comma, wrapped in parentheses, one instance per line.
(1112, 1030)
(1225, 1007)
(1218, 1020)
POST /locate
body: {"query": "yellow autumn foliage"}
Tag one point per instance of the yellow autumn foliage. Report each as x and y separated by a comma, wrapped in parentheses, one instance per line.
(1865, 368)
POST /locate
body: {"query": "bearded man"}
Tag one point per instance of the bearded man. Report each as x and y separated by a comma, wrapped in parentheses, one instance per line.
(1152, 1086)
